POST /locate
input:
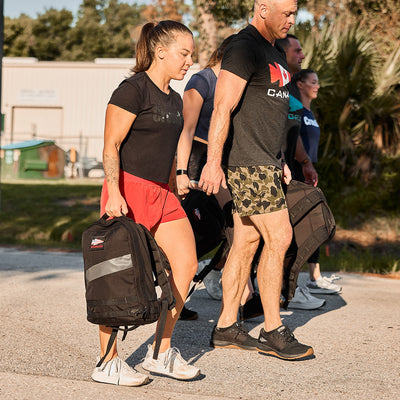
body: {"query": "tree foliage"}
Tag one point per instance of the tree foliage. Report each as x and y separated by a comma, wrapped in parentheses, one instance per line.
(358, 103)
(379, 17)
(18, 36)
(229, 11)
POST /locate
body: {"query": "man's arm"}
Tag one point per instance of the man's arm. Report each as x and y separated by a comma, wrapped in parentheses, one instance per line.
(228, 92)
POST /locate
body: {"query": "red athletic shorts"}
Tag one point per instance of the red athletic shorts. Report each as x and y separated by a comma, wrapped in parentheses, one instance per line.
(149, 203)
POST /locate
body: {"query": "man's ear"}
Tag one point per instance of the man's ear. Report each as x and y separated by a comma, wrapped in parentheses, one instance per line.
(263, 10)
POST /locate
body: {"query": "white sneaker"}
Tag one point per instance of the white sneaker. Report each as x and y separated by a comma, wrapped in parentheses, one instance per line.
(213, 284)
(332, 278)
(170, 363)
(322, 286)
(118, 372)
(303, 300)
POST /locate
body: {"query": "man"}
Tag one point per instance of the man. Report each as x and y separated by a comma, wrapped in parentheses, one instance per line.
(251, 105)
(302, 169)
(296, 157)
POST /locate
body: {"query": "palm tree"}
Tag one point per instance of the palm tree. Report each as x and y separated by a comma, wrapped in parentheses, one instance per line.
(358, 105)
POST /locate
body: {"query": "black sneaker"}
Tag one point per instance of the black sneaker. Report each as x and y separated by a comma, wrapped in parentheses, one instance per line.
(281, 343)
(252, 308)
(188, 315)
(233, 337)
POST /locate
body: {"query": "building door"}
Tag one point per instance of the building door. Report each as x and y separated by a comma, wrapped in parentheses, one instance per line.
(30, 122)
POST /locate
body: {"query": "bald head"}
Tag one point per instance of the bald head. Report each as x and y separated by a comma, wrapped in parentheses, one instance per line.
(273, 18)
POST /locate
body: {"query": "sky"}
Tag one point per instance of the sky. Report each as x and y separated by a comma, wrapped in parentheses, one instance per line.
(14, 8)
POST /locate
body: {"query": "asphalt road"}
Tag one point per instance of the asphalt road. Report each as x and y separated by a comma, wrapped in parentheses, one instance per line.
(48, 349)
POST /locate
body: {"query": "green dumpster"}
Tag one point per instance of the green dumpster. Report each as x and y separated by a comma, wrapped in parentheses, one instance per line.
(32, 159)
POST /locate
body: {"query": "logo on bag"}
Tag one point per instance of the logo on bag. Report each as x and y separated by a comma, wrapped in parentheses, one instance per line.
(97, 243)
(197, 214)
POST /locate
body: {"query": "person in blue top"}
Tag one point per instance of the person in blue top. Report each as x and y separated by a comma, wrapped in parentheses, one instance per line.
(308, 85)
(198, 105)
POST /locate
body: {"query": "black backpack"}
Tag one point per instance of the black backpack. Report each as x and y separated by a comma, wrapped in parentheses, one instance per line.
(206, 218)
(123, 265)
(313, 224)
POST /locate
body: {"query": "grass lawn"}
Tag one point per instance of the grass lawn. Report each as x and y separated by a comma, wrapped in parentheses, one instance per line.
(53, 214)
(48, 214)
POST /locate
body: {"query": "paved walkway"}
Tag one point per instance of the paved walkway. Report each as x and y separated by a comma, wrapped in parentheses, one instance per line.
(48, 349)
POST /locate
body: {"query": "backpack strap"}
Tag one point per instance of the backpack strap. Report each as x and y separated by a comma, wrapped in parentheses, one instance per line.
(318, 237)
(309, 201)
(198, 278)
(160, 327)
(110, 343)
(160, 265)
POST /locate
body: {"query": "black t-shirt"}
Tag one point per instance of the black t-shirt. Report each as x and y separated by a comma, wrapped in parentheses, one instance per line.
(149, 148)
(257, 127)
(293, 124)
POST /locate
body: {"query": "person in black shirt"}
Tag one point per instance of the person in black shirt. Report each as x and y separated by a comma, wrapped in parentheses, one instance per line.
(142, 128)
(250, 112)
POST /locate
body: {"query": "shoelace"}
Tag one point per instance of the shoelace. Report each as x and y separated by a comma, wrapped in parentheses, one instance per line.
(170, 358)
(287, 334)
(241, 329)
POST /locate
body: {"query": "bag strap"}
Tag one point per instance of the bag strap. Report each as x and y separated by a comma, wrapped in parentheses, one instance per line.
(159, 266)
(160, 327)
(306, 203)
(198, 278)
(306, 250)
(110, 343)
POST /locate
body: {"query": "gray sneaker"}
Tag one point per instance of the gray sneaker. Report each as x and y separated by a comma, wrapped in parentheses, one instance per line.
(212, 282)
(169, 363)
(322, 286)
(303, 300)
(118, 372)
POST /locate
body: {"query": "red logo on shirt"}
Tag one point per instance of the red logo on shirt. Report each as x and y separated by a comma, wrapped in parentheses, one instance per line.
(278, 73)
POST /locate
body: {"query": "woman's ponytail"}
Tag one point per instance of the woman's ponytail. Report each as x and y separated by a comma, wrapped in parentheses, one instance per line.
(144, 57)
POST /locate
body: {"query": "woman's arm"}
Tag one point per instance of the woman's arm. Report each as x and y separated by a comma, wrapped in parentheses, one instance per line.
(309, 172)
(192, 103)
(117, 125)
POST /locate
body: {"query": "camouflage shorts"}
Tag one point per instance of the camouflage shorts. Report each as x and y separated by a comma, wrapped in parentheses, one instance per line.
(256, 190)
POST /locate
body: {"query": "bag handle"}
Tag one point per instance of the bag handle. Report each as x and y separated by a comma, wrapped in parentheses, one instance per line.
(110, 343)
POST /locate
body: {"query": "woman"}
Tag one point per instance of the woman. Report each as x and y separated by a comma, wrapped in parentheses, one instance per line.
(308, 84)
(142, 128)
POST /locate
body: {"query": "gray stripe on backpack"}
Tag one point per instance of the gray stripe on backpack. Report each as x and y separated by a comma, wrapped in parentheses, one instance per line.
(107, 267)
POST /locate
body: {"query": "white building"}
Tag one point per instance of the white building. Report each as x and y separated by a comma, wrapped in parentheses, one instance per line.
(62, 101)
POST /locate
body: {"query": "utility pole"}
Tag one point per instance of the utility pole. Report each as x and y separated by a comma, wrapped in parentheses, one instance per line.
(1, 73)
